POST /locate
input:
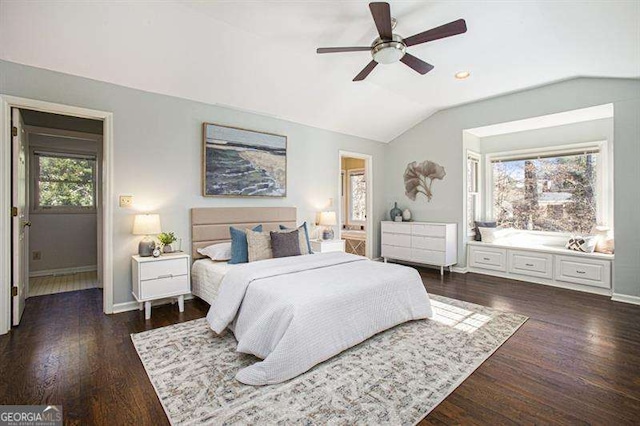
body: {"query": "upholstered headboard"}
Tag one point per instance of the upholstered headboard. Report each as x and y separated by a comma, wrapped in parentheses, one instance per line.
(210, 225)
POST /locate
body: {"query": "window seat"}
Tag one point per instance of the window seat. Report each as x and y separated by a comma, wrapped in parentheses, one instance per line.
(541, 247)
(542, 260)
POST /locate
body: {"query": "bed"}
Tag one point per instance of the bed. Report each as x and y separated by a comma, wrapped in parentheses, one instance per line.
(295, 312)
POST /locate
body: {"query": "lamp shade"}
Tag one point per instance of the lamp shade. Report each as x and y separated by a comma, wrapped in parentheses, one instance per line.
(328, 218)
(146, 224)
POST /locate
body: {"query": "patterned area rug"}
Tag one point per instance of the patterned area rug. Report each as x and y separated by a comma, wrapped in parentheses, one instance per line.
(395, 377)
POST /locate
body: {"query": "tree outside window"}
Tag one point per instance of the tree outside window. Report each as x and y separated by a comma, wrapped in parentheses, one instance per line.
(64, 182)
(556, 193)
(358, 196)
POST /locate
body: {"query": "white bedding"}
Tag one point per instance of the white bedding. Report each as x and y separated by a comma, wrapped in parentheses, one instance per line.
(296, 312)
(206, 277)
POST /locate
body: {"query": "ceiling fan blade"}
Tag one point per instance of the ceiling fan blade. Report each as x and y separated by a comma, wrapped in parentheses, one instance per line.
(342, 49)
(446, 30)
(416, 64)
(381, 13)
(366, 71)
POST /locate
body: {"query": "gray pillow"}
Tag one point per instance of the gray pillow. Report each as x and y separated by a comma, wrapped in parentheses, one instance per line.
(478, 237)
(285, 244)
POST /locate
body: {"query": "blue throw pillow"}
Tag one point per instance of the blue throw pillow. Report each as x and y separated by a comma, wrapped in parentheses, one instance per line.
(306, 234)
(239, 246)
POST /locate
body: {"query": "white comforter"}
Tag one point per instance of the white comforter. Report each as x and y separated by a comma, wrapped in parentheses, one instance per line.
(296, 312)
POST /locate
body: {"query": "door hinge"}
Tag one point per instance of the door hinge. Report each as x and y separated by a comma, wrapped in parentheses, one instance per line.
(14, 211)
(14, 291)
(14, 131)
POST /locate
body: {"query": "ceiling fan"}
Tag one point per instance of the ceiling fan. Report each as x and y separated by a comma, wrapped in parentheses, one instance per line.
(390, 47)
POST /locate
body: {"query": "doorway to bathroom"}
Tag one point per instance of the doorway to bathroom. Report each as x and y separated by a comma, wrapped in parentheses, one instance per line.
(355, 202)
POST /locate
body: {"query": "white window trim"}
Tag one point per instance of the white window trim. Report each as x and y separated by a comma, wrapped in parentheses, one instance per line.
(35, 206)
(604, 171)
(349, 196)
(478, 194)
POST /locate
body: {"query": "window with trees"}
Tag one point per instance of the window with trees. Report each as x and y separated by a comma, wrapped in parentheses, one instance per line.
(554, 192)
(473, 190)
(64, 182)
(357, 196)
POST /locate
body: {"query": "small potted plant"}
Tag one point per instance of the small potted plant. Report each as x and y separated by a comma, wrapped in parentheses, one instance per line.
(166, 238)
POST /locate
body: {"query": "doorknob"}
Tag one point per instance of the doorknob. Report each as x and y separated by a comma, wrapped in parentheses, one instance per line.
(26, 223)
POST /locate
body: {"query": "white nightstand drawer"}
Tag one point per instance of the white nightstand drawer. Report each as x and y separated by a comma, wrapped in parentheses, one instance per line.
(327, 246)
(398, 240)
(488, 258)
(582, 271)
(163, 268)
(428, 243)
(532, 264)
(164, 287)
(427, 256)
(429, 230)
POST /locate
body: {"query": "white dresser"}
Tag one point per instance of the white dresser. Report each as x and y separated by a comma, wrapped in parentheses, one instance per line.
(420, 242)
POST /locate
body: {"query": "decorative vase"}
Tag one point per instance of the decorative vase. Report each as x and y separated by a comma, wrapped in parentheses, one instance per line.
(167, 248)
(406, 215)
(395, 211)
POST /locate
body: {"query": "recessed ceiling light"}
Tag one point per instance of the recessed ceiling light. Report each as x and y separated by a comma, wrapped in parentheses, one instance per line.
(462, 75)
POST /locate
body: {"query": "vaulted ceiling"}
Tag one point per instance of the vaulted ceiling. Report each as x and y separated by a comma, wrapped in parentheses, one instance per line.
(260, 56)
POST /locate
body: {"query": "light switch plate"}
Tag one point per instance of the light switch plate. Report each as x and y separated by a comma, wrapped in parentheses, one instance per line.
(126, 201)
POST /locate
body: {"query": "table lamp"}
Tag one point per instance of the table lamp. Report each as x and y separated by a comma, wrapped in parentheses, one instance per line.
(146, 224)
(327, 219)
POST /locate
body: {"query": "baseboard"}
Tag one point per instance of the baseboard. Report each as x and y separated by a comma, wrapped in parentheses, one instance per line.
(460, 269)
(134, 306)
(625, 298)
(63, 271)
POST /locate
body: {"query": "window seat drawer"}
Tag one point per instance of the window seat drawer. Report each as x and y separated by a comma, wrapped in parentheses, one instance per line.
(582, 271)
(488, 258)
(531, 263)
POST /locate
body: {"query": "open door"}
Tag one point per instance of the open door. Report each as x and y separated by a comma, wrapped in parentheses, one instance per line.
(20, 215)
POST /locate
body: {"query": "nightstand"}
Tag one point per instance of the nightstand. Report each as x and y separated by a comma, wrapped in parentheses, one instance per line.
(326, 246)
(161, 277)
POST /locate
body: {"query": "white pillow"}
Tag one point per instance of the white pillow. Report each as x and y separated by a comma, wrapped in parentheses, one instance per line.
(218, 252)
(489, 235)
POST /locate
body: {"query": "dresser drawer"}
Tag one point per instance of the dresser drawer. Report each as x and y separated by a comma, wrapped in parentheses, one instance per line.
(164, 287)
(583, 271)
(163, 268)
(428, 243)
(396, 228)
(427, 256)
(488, 258)
(428, 230)
(532, 264)
(400, 240)
(393, 252)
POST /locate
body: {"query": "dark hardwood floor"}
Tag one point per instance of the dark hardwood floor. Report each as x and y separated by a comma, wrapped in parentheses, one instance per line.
(576, 361)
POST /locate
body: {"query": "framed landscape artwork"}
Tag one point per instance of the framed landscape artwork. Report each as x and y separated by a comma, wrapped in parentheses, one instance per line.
(243, 163)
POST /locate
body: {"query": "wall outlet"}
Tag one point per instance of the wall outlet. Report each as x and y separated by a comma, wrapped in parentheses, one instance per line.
(126, 201)
(36, 255)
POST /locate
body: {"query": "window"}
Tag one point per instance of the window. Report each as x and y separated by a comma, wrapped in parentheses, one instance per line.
(357, 196)
(64, 182)
(551, 191)
(473, 190)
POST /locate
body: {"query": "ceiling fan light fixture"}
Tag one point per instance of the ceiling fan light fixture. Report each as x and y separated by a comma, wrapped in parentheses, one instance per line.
(461, 75)
(388, 51)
